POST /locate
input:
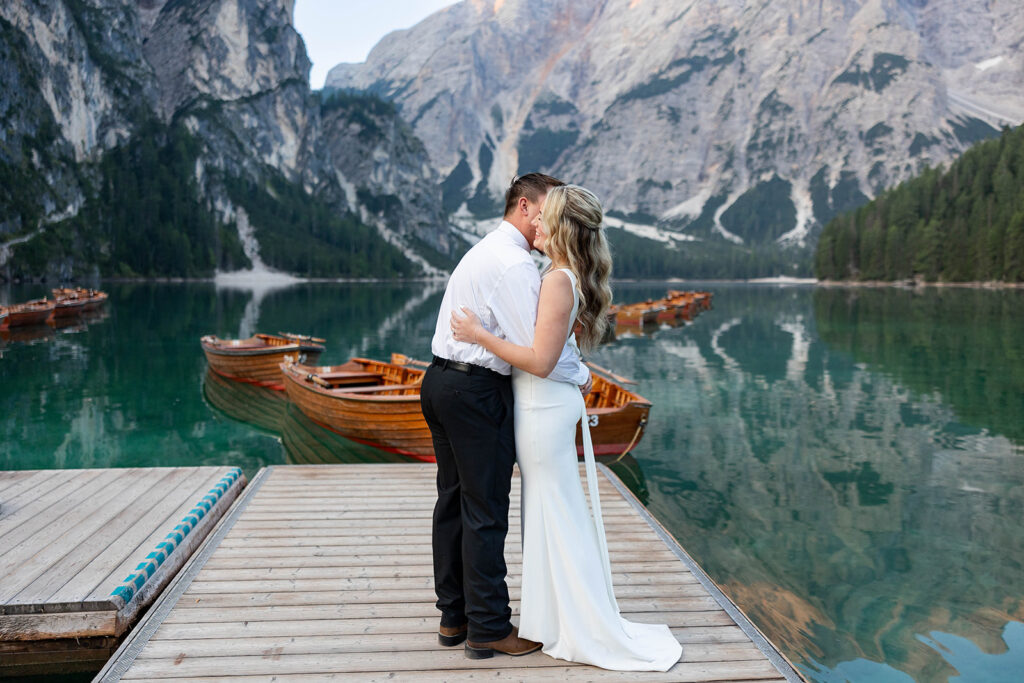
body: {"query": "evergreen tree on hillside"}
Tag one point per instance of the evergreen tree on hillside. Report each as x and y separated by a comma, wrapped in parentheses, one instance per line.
(964, 224)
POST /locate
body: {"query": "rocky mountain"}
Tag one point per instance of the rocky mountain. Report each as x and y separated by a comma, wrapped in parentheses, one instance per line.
(750, 122)
(101, 94)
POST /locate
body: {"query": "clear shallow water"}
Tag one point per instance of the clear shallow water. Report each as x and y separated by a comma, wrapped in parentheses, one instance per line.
(846, 464)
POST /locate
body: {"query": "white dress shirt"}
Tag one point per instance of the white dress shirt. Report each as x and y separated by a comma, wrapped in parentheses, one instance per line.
(498, 280)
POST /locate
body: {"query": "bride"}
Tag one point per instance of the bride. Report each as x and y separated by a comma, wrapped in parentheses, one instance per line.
(567, 600)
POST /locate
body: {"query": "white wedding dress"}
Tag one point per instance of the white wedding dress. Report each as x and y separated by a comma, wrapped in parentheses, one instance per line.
(567, 599)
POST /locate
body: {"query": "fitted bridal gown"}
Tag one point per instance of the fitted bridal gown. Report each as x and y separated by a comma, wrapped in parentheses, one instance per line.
(567, 599)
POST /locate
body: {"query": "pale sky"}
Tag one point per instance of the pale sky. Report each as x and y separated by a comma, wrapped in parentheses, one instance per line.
(338, 31)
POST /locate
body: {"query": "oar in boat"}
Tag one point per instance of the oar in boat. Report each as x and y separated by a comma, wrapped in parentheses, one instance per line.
(302, 337)
(402, 359)
(609, 373)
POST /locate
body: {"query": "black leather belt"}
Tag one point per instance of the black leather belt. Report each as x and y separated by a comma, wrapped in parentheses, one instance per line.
(467, 368)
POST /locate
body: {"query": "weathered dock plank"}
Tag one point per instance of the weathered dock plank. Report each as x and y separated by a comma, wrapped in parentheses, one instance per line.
(70, 540)
(325, 572)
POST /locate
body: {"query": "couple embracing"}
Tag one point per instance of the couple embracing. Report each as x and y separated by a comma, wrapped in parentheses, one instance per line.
(506, 384)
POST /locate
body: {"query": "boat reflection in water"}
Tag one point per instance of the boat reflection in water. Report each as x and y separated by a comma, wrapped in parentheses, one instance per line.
(259, 407)
(307, 443)
(38, 321)
(28, 334)
(268, 411)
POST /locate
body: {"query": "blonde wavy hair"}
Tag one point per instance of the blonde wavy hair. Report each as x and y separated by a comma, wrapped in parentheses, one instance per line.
(572, 218)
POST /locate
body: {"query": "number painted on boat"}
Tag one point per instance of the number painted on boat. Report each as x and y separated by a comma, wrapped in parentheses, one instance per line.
(593, 420)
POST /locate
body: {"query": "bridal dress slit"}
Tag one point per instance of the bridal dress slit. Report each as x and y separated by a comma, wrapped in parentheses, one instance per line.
(567, 601)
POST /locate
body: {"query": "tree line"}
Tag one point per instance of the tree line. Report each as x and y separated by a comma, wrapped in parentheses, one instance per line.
(637, 257)
(961, 224)
(144, 216)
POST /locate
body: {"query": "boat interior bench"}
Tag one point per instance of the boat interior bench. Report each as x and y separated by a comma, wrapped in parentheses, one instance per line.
(378, 388)
(351, 377)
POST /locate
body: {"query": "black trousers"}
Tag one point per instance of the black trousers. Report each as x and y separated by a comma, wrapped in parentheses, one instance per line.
(470, 419)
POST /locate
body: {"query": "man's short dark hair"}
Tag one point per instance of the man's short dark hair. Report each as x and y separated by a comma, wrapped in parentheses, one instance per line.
(531, 186)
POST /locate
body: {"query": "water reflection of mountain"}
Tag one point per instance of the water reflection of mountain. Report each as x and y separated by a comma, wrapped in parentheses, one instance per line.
(124, 393)
(357, 319)
(964, 344)
(845, 499)
(845, 512)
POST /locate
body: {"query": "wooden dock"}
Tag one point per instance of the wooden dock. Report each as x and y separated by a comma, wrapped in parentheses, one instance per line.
(325, 572)
(82, 552)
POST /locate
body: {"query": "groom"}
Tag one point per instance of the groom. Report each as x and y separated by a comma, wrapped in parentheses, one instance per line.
(466, 396)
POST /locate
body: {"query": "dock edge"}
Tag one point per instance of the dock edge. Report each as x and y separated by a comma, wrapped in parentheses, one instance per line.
(777, 659)
(125, 655)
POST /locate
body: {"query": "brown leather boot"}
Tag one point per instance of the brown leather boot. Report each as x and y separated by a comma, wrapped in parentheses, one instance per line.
(511, 644)
(450, 636)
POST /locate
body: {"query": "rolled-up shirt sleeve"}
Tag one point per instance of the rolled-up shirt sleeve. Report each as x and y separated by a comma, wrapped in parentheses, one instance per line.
(570, 367)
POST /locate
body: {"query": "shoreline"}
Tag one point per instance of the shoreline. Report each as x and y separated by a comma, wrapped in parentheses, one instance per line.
(915, 284)
(772, 281)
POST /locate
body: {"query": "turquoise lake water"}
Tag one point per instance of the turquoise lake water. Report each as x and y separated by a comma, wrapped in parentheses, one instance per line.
(848, 464)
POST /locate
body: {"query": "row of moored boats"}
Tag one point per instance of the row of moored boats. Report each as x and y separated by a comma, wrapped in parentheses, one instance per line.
(378, 402)
(673, 309)
(66, 304)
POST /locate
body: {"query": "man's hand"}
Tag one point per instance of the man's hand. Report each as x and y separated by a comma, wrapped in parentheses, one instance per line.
(585, 388)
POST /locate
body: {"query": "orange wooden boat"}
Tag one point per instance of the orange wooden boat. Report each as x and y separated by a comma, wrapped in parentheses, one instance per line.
(96, 300)
(669, 310)
(364, 400)
(675, 306)
(618, 416)
(637, 315)
(701, 300)
(68, 306)
(78, 298)
(683, 304)
(378, 403)
(257, 359)
(3, 316)
(34, 312)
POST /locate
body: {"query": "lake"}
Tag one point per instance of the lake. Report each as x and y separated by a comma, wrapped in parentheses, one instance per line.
(848, 464)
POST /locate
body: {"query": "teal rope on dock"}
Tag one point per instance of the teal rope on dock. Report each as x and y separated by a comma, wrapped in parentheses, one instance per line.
(145, 569)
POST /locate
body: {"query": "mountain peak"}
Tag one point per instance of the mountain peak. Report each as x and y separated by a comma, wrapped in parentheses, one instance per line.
(674, 111)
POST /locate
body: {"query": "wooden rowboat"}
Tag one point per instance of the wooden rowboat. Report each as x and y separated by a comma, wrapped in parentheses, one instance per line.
(364, 400)
(618, 416)
(69, 308)
(3, 316)
(78, 298)
(638, 315)
(257, 359)
(700, 300)
(96, 300)
(378, 403)
(673, 309)
(30, 313)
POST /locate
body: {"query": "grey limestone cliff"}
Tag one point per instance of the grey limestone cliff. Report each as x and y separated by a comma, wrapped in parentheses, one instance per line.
(83, 77)
(755, 120)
